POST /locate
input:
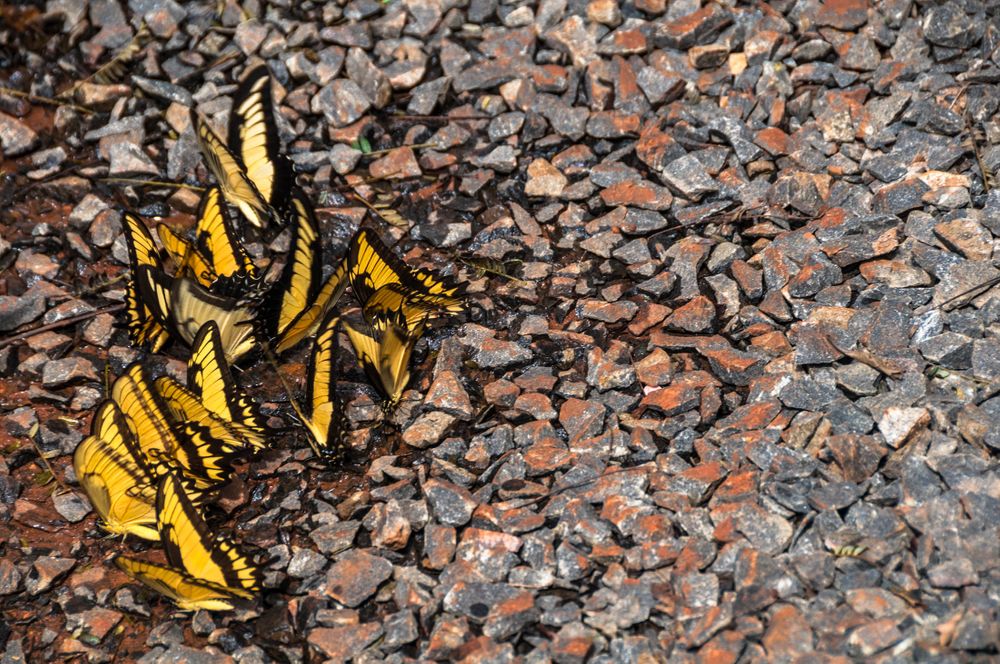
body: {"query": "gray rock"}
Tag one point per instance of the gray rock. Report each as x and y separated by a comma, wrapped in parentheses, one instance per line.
(16, 138)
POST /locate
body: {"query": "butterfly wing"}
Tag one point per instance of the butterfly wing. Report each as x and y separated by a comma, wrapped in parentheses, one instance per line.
(326, 423)
(253, 138)
(211, 380)
(307, 322)
(144, 328)
(189, 593)
(113, 473)
(144, 412)
(231, 175)
(374, 266)
(190, 545)
(215, 238)
(296, 289)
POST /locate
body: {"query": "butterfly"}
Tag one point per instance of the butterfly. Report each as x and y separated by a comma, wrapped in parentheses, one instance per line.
(381, 282)
(384, 351)
(204, 571)
(251, 172)
(184, 306)
(325, 422)
(145, 329)
(210, 380)
(115, 475)
(202, 457)
(297, 301)
(253, 138)
(216, 250)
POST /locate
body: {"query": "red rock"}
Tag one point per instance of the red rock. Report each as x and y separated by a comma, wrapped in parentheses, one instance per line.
(698, 315)
(581, 418)
(788, 634)
(501, 393)
(642, 194)
(343, 643)
(773, 140)
(397, 164)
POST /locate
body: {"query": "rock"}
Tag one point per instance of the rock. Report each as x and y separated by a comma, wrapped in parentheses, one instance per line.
(355, 577)
(16, 138)
(544, 180)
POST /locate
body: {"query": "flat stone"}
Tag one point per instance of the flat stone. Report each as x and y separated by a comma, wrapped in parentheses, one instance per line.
(356, 576)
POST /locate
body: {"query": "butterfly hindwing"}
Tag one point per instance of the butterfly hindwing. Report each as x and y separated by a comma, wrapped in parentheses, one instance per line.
(189, 593)
(210, 379)
(190, 545)
(144, 327)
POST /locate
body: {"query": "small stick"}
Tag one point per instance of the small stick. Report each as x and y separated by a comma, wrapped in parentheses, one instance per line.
(975, 151)
(45, 100)
(60, 323)
(154, 183)
(416, 146)
(438, 118)
(48, 466)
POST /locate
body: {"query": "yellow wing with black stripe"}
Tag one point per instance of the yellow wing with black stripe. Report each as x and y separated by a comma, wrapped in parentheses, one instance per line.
(185, 257)
(210, 380)
(325, 423)
(384, 352)
(145, 413)
(190, 545)
(207, 446)
(185, 306)
(373, 266)
(144, 328)
(115, 476)
(216, 238)
(296, 289)
(253, 138)
(189, 593)
(307, 322)
(237, 187)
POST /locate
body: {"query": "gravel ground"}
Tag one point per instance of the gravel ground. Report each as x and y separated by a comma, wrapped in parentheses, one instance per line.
(740, 403)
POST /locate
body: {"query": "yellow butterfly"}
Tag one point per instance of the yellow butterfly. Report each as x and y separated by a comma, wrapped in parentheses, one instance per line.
(116, 477)
(252, 173)
(216, 251)
(384, 352)
(203, 571)
(210, 380)
(144, 328)
(382, 283)
(325, 422)
(185, 306)
(202, 457)
(299, 299)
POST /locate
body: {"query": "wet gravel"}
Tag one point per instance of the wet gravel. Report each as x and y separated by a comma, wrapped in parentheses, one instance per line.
(730, 388)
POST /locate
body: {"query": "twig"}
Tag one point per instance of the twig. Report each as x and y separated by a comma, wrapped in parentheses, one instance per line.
(431, 144)
(154, 183)
(984, 286)
(438, 118)
(60, 323)
(975, 151)
(48, 466)
(45, 100)
(101, 286)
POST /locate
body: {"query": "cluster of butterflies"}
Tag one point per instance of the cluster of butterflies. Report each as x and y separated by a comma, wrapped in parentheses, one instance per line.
(214, 278)
(157, 452)
(159, 449)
